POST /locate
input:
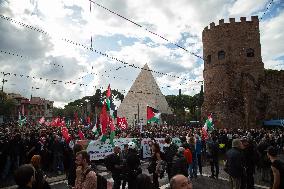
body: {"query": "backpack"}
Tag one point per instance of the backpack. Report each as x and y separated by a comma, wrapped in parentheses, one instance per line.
(188, 155)
(101, 181)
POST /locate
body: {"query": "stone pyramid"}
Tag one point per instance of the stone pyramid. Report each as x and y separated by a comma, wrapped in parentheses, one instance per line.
(143, 92)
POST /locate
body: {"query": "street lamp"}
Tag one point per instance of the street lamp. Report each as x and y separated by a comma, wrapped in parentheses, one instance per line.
(87, 101)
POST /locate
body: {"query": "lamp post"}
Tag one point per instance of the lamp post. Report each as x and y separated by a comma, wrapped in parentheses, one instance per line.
(87, 103)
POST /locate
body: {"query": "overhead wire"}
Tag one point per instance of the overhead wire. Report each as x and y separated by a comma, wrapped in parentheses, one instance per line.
(85, 47)
(266, 10)
(140, 26)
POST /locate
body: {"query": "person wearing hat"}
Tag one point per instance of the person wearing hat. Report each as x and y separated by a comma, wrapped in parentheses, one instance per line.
(235, 166)
(277, 168)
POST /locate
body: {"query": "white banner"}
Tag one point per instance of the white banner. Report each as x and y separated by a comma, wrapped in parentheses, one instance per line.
(98, 150)
(161, 141)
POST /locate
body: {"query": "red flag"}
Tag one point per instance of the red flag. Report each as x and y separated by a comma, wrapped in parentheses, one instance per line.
(81, 135)
(65, 134)
(122, 123)
(62, 124)
(104, 119)
(204, 134)
(108, 91)
(47, 123)
(57, 122)
(41, 120)
(53, 122)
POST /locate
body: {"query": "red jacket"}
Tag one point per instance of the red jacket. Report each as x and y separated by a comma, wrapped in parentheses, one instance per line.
(188, 155)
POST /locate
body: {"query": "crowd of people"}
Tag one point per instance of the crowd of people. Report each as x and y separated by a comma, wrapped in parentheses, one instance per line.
(244, 150)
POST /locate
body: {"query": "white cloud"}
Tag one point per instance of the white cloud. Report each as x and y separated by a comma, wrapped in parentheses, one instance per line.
(272, 38)
(246, 8)
(179, 21)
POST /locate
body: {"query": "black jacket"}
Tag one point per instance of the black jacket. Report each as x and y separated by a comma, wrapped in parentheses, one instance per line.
(235, 165)
(111, 161)
(179, 165)
(132, 160)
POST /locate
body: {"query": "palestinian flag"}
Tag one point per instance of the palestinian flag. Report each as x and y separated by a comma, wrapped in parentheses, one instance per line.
(21, 121)
(108, 96)
(153, 115)
(208, 126)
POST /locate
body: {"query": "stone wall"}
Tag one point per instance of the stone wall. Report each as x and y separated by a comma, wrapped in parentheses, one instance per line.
(233, 73)
(274, 88)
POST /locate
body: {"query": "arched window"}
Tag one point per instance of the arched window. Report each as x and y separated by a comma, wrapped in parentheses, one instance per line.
(209, 59)
(221, 55)
(250, 52)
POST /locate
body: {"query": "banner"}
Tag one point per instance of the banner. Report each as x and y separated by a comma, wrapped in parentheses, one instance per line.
(99, 150)
(145, 145)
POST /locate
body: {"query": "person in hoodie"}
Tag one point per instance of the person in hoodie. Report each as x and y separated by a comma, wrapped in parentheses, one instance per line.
(179, 165)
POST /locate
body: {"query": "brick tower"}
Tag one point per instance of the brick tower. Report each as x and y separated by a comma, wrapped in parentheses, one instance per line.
(233, 72)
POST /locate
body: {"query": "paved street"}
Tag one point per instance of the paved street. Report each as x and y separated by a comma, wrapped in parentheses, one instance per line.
(202, 182)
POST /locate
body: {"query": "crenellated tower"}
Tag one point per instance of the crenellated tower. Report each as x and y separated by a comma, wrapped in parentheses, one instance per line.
(233, 72)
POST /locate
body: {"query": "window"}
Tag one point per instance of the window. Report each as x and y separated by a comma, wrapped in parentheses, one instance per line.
(250, 52)
(221, 55)
(209, 59)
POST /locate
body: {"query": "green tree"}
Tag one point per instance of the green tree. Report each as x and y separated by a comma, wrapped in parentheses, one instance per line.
(186, 108)
(7, 105)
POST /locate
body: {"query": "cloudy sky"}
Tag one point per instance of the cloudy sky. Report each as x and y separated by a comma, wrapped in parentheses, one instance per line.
(48, 57)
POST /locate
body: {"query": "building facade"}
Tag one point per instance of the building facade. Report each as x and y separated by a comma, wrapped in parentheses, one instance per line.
(33, 108)
(238, 91)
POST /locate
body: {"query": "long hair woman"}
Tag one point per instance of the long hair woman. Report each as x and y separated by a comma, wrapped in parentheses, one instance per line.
(40, 182)
(156, 157)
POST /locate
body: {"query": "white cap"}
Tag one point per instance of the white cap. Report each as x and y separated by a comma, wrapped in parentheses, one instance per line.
(131, 145)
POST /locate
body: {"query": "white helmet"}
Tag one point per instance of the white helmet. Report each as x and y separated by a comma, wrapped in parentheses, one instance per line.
(131, 145)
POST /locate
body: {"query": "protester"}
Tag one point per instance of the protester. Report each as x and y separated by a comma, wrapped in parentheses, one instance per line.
(277, 168)
(133, 168)
(25, 176)
(85, 177)
(213, 155)
(71, 174)
(40, 178)
(170, 149)
(19, 144)
(251, 158)
(123, 157)
(180, 182)
(180, 165)
(113, 164)
(143, 181)
(235, 166)
(193, 165)
(156, 156)
(198, 151)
